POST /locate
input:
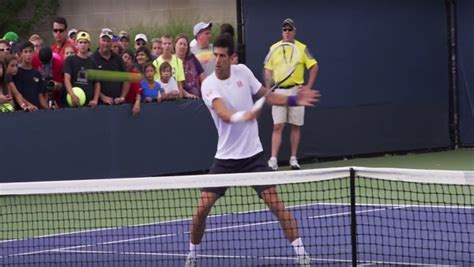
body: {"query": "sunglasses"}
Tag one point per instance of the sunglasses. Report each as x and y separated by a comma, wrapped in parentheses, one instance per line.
(287, 29)
(58, 30)
(5, 49)
(141, 43)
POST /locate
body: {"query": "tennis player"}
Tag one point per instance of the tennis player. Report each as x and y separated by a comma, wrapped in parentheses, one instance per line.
(227, 92)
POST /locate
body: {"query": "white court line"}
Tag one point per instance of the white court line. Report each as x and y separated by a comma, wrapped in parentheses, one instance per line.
(65, 249)
(222, 215)
(357, 212)
(313, 259)
(166, 235)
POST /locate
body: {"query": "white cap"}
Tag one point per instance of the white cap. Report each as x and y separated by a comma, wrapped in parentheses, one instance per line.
(141, 36)
(201, 26)
(106, 32)
(72, 31)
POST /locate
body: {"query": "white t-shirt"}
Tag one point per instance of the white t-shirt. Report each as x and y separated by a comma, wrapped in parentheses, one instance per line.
(170, 86)
(236, 140)
(206, 58)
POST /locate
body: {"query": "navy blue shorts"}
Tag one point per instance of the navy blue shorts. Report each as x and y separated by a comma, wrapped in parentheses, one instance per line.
(256, 163)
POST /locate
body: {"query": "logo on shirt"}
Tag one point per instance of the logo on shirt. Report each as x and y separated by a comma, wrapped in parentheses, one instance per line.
(240, 84)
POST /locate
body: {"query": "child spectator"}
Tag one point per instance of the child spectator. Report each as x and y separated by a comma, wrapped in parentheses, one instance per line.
(69, 51)
(156, 48)
(29, 81)
(75, 72)
(6, 104)
(129, 60)
(168, 83)
(150, 89)
(11, 65)
(142, 56)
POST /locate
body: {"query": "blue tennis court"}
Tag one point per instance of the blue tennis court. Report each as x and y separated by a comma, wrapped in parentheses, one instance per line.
(387, 235)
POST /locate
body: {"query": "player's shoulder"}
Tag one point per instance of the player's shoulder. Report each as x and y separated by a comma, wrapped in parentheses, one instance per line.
(240, 68)
(209, 81)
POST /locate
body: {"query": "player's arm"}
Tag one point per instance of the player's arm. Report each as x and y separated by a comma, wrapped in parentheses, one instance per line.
(230, 117)
(302, 98)
(267, 75)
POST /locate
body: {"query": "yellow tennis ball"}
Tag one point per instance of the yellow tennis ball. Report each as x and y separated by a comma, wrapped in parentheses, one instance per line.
(6, 107)
(79, 93)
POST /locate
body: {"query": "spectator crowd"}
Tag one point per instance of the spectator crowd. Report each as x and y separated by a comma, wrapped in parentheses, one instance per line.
(35, 75)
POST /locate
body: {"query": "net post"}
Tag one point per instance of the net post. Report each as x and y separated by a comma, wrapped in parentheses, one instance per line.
(353, 217)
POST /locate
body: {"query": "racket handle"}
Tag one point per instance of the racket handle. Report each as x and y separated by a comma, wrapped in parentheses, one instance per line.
(258, 104)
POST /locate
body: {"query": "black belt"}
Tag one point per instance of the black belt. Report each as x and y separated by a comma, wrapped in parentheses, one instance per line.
(287, 87)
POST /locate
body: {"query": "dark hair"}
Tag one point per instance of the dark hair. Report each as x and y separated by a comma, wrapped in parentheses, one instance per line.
(129, 52)
(148, 64)
(61, 20)
(225, 41)
(25, 45)
(145, 50)
(8, 58)
(45, 54)
(165, 65)
(227, 28)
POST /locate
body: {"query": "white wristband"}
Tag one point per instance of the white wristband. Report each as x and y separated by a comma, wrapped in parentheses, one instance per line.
(258, 104)
(237, 117)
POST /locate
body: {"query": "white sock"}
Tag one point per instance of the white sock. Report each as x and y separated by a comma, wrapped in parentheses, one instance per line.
(193, 250)
(298, 247)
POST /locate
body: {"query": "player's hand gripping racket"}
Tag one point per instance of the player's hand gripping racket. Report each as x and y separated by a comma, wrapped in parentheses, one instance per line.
(281, 61)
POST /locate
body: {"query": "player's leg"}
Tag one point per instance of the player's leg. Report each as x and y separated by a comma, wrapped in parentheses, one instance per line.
(284, 216)
(288, 224)
(198, 226)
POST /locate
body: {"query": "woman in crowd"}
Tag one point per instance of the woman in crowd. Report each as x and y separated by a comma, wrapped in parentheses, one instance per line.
(193, 71)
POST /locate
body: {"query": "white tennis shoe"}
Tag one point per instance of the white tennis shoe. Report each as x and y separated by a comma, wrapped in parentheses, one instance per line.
(273, 163)
(190, 261)
(294, 163)
(303, 261)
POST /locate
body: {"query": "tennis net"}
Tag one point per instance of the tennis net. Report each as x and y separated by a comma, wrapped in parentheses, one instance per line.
(346, 216)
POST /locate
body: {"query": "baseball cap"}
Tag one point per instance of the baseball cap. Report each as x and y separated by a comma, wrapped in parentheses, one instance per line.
(141, 36)
(124, 34)
(82, 35)
(288, 22)
(200, 27)
(10, 36)
(106, 32)
(71, 32)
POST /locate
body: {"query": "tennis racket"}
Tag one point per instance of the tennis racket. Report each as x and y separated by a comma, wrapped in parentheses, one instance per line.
(282, 59)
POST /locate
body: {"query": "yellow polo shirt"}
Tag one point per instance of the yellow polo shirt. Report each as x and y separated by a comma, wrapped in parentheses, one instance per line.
(177, 68)
(307, 61)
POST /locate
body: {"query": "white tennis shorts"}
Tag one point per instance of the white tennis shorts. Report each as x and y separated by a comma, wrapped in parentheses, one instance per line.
(291, 115)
